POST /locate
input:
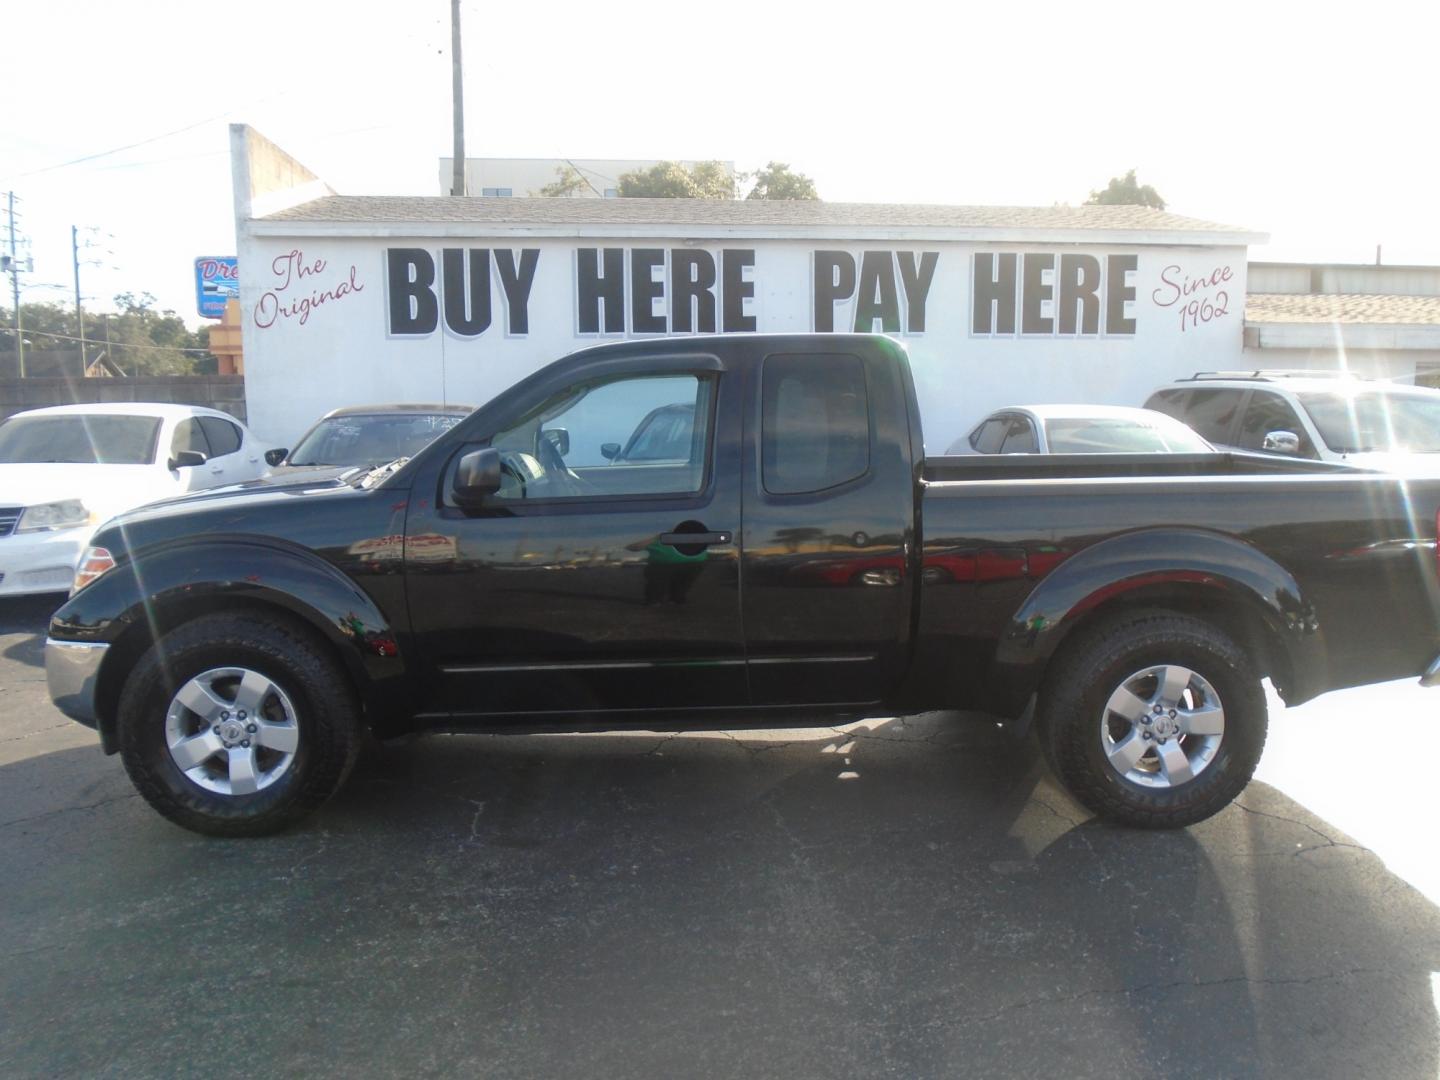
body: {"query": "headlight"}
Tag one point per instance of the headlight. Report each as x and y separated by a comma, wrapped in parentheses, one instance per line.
(56, 515)
(93, 563)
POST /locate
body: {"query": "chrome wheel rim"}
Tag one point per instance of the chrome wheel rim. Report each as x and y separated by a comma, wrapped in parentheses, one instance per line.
(1162, 726)
(232, 731)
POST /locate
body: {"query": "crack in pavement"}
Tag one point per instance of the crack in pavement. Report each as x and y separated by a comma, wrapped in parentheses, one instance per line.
(68, 810)
(1329, 841)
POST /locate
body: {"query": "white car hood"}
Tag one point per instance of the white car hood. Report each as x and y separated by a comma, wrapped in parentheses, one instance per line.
(104, 489)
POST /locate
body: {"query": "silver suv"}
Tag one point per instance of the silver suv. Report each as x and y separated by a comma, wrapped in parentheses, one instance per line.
(1324, 416)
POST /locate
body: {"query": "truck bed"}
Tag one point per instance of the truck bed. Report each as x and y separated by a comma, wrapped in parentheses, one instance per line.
(1020, 467)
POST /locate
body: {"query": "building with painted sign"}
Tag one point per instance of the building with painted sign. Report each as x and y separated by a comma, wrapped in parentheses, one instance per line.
(359, 299)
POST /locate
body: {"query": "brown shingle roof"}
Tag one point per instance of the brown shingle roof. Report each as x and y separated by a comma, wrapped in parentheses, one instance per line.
(1342, 308)
(734, 213)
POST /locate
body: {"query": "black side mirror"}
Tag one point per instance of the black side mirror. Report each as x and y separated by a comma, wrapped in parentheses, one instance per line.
(610, 450)
(476, 476)
(559, 438)
(186, 459)
(276, 456)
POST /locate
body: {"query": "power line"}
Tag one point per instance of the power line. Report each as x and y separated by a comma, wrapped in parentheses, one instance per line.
(114, 344)
(119, 149)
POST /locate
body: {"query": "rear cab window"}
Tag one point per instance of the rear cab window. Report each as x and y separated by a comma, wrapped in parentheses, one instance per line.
(814, 422)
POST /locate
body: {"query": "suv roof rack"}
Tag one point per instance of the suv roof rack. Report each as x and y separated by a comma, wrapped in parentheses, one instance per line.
(1265, 374)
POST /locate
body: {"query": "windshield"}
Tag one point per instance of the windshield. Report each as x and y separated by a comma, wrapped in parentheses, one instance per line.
(80, 440)
(1376, 420)
(369, 439)
(1119, 436)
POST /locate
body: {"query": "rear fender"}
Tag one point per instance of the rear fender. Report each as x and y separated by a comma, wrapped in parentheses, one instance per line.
(1156, 563)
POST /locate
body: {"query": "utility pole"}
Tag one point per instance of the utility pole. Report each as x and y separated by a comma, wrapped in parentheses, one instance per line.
(79, 311)
(457, 179)
(15, 288)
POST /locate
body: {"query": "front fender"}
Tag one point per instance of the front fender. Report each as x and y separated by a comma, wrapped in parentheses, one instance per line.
(1162, 562)
(132, 605)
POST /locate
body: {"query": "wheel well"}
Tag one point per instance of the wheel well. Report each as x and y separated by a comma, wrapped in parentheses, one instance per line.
(126, 651)
(1241, 621)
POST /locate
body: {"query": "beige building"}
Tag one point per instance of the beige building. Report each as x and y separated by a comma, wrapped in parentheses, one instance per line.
(1379, 321)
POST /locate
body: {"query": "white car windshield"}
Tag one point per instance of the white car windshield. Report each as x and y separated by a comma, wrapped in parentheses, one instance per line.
(97, 439)
(1109, 435)
(1376, 420)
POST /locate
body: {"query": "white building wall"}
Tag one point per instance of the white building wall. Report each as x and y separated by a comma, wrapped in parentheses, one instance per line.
(317, 332)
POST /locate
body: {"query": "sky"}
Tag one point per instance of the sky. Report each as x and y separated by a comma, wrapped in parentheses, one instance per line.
(1309, 122)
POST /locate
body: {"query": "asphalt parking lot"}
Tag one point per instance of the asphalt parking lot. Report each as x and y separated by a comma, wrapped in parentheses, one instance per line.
(895, 898)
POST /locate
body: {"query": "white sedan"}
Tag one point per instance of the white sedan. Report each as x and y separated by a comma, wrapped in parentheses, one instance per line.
(1079, 429)
(66, 470)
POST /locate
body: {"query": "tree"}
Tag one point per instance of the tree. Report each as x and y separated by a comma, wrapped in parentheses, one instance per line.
(671, 180)
(1126, 191)
(136, 338)
(776, 181)
(567, 184)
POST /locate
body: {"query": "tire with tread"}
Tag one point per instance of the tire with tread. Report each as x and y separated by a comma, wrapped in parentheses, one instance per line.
(325, 701)
(1072, 710)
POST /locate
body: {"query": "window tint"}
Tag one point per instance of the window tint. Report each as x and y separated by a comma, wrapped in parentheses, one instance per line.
(814, 423)
(645, 435)
(1212, 412)
(1170, 402)
(189, 436)
(83, 440)
(1269, 412)
(1020, 438)
(990, 435)
(223, 436)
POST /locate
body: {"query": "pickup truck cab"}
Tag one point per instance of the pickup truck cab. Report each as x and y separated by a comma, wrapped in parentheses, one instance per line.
(802, 561)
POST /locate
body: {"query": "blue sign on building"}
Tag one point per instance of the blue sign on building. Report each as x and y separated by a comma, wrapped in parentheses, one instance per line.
(217, 279)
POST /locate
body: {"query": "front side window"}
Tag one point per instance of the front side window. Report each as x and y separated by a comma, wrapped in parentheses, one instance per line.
(79, 440)
(1211, 412)
(189, 436)
(1269, 412)
(989, 435)
(1020, 439)
(814, 423)
(223, 436)
(639, 435)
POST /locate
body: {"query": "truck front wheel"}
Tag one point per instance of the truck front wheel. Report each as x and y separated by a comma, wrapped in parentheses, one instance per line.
(1157, 721)
(237, 725)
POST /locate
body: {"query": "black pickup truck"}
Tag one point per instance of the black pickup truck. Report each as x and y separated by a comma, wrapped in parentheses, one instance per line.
(779, 551)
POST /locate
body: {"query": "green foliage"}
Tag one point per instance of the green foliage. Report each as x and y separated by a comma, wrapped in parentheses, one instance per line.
(671, 180)
(1126, 191)
(135, 337)
(776, 181)
(567, 184)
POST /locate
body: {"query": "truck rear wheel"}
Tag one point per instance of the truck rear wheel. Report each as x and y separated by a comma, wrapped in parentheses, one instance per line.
(1157, 721)
(237, 725)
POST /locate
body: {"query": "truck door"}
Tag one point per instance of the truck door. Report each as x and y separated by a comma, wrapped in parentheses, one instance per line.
(828, 529)
(604, 573)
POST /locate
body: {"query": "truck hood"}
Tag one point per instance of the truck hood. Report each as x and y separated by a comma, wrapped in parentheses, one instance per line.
(104, 489)
(230, 506)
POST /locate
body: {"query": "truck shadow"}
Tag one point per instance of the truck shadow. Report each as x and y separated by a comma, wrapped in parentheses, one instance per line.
(909, 897)
(19, 616)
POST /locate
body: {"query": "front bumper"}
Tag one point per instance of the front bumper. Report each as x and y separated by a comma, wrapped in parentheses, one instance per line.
(72, 670)
(41, 562)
